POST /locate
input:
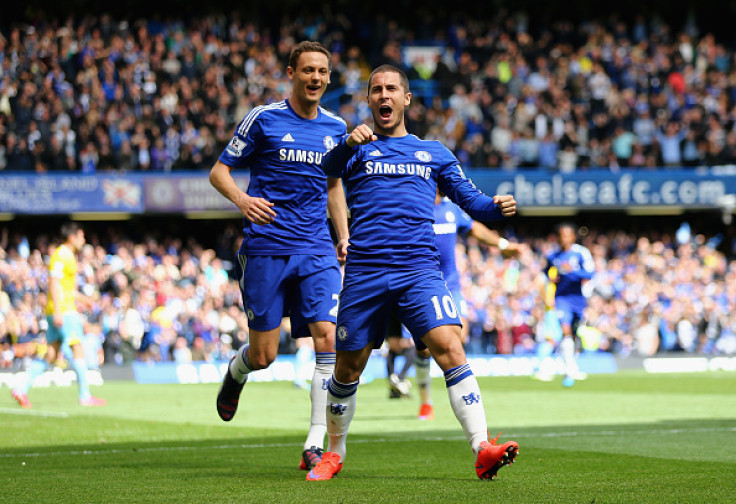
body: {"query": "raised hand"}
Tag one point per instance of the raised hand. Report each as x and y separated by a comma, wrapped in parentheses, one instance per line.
(361, 135)
(506, 203)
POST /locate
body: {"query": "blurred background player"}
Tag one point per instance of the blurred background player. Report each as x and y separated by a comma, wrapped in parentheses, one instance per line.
(65, 328)
(449, 222)
(287, 265)
(399, 343)
(551, 330)
(568, 267)
(304, 362)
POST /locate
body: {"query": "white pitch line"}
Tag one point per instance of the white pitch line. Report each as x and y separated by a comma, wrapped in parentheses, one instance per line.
(642, 431)
(112, 451)
(16, 411)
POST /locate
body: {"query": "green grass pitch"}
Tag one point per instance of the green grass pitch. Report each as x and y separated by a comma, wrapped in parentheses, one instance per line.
(621, 438)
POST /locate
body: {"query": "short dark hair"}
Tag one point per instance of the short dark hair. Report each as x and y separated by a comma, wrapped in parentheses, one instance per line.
(68, 229)
(390, 68)
(566, 224)
(308, 46)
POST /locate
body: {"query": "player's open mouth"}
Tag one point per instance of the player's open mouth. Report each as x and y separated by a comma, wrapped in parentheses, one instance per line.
(385, 112)
(314, 88)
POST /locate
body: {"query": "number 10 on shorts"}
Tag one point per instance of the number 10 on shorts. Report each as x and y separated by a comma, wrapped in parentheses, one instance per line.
(447, 303)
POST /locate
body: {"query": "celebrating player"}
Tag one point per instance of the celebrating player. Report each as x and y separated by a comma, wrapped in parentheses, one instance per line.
(393, 265)
(287, 264)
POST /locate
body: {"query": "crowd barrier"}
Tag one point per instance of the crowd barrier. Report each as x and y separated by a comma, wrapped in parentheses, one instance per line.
(176, 193)
(284, 368)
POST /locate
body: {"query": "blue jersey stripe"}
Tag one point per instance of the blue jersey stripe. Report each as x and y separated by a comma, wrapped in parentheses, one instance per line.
(253, 114)
(325, 357)
(457, 374)
(334, 116)
(342, 390)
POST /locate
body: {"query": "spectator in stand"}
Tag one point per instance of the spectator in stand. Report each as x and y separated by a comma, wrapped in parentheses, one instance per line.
(645, 129)
(623, 146)
(669, 144)
(117, 78)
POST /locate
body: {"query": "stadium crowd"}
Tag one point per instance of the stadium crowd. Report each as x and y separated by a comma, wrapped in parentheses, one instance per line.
(93, 93)
(172, 299)
(154, 300)
(653, 292)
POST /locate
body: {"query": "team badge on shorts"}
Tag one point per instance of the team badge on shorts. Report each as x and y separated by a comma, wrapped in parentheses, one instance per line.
(342, 333)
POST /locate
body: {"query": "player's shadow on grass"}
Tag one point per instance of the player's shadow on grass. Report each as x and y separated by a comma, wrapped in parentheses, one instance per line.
(683, 427)
(289, 445)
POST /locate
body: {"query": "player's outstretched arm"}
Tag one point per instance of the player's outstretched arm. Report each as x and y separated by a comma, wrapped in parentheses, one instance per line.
(84, 302)
(256, 210)
(492, 238)
(461, 191)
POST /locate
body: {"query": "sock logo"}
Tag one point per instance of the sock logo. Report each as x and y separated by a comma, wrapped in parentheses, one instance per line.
(325, 383)
(337, 409)
(471, 398)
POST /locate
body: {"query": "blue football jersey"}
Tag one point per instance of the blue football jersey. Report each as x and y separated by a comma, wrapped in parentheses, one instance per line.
(284, 152)
(573, 267)
(391, 185)
(449, 221)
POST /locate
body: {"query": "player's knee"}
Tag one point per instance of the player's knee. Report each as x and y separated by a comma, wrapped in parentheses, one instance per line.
(452, 357)
(394, 343)
(52, 353)
(260, 360)
(447, 352)
(324, 338)
(346, 375)
(77, 351)
(347, 371)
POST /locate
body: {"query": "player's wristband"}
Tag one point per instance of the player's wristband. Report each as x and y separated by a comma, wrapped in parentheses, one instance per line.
(503, 244)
